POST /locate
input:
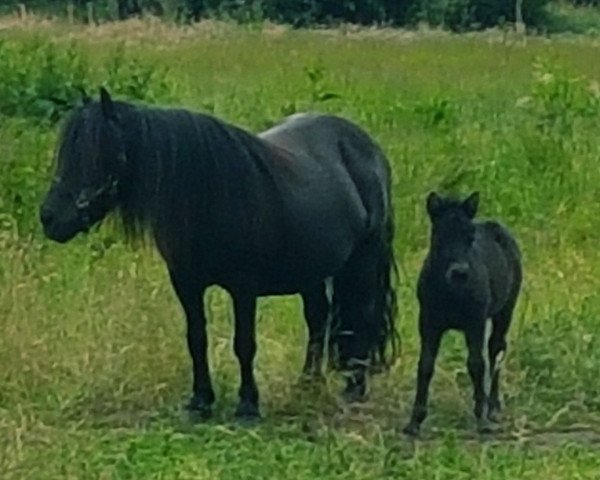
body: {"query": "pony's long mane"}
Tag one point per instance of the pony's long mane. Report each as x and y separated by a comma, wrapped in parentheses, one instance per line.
(176, 163)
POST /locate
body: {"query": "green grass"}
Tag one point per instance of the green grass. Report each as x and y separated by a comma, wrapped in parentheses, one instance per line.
(93, 364)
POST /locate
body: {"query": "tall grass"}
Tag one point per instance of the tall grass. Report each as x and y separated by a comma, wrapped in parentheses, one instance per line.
(93, 366)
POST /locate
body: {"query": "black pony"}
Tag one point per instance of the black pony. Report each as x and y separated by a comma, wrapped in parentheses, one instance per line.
(278, 213)
(471, 274)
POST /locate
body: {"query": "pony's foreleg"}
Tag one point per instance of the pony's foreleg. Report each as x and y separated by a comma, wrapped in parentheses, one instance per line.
(355, 292)
(430, 344)
(190, 296)
(245, 349)
(316, 312)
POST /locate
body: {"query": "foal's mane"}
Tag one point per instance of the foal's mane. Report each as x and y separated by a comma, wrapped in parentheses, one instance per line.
(449, 204)
(176, 163)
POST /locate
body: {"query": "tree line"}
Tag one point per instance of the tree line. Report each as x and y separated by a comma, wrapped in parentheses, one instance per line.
(454, 14)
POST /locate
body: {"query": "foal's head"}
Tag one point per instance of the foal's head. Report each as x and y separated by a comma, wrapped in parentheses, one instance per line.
(90, 157)
(452, 236)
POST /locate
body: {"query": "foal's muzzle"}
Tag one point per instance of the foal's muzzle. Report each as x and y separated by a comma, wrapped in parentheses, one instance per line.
(458, 273)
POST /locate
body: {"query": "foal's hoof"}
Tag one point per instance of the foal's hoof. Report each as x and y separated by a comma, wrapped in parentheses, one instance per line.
(494, 415)
(411, 430)
(198, 409)
(484, 426)
(354, 396)
(247, 412)
(355, 393)
(311, 379)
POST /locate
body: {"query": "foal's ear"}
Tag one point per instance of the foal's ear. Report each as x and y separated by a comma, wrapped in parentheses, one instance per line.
(108, 107)
(434, 203)
(471, 204)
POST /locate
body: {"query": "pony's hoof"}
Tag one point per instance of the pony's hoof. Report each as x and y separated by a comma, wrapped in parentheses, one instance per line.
(412, 430)
(494, 416)
(355, 393)
(309, 379)
(354, 396)
(198, 409)
(247, 412)
(484, 426)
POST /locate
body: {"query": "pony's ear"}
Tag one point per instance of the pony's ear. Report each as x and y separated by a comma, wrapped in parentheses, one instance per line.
(434, 203)
(470, 204)
(108, 107)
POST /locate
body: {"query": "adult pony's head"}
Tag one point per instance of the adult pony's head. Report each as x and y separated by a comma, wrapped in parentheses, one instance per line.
(89, 167)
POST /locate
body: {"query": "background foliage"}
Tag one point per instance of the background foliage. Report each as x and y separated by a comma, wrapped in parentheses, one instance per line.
(453, 14)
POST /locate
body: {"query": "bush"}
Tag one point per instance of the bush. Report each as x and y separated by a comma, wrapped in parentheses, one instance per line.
(467, 14)
(456, 14)
(39, 80)
(585, 3)
(560, 100)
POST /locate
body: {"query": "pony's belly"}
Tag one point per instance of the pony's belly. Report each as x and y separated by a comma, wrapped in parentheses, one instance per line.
(291, 281)
(270, 285)
(279, 276)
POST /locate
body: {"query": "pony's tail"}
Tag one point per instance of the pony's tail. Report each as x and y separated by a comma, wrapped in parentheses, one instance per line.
(387, 344)
(385, 340)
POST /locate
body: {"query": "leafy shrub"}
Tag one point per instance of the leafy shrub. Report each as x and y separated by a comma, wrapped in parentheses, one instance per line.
(466, 14)
(559, 100)
(585, 3)
(25, 152)
(133, 79)
(40, 80)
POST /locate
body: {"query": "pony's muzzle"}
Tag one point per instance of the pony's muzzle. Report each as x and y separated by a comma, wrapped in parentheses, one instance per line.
(46, 217)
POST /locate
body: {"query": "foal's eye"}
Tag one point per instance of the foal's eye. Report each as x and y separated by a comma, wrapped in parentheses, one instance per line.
(82, 201)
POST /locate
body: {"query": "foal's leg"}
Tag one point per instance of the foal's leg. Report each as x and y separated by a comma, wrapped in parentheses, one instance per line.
(244, 345)
(497, 350)
(190, 295)
(478, 370)
(316, 311)
(430, 345)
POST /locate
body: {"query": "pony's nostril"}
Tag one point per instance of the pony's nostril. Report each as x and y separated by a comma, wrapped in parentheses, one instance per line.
(459, 274)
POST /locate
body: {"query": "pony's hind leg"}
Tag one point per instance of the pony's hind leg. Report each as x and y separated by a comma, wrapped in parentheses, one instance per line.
(479, 371)
(190, 297)
(244, 345)
(355, 295)
(497, 351)
(316, 312)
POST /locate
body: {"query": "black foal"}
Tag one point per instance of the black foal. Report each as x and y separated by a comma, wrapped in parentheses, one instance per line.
(472, 274)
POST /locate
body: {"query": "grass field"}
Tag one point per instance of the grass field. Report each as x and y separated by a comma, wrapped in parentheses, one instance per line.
(93, 363)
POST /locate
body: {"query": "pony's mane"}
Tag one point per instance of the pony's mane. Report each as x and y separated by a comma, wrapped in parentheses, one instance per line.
(176, 162)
